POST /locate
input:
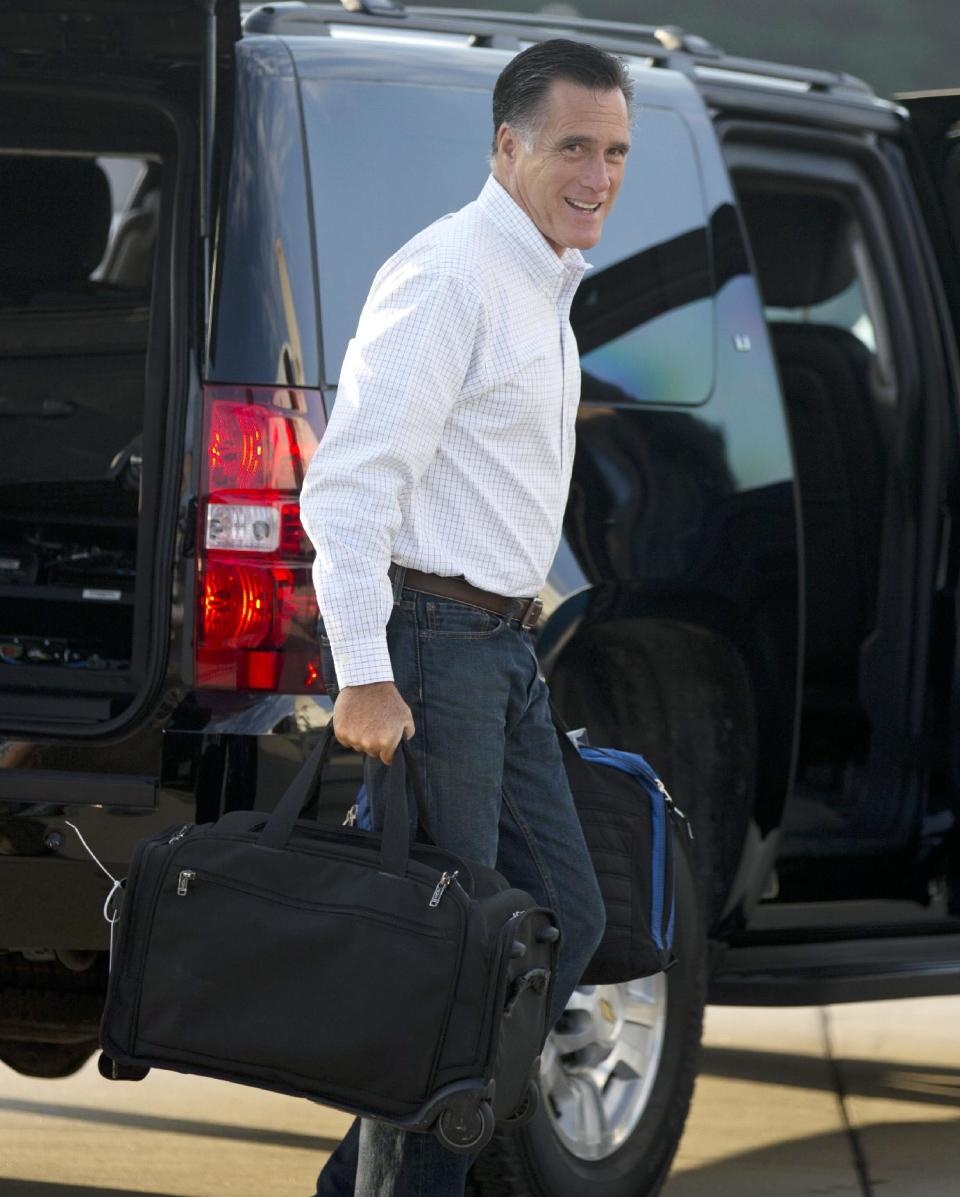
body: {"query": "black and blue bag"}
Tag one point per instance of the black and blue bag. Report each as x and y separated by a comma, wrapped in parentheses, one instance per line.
(632, 828)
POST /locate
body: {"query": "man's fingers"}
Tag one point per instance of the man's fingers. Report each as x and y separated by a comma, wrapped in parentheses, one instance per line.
(373, 720)
(388, 755)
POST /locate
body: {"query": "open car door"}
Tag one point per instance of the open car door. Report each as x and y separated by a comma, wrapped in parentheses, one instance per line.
(935, 123)
(935, 120)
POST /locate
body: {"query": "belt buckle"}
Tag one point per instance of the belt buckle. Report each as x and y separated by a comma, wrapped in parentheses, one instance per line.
(531, 617)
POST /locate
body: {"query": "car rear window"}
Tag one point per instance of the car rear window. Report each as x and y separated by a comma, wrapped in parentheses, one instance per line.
(387, 159)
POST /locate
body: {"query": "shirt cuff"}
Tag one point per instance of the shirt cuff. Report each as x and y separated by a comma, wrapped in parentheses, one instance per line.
(362, 662)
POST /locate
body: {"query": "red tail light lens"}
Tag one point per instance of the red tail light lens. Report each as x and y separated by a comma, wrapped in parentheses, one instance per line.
(256, 608)
(252, 447)
(243, 604)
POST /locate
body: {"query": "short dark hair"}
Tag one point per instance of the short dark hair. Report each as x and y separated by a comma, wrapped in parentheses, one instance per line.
(521, 90)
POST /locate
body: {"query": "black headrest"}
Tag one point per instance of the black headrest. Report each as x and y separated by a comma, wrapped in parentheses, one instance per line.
(801, 247)
(54, 222)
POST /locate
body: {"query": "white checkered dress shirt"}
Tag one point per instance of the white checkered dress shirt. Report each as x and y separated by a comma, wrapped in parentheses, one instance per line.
(450, 446)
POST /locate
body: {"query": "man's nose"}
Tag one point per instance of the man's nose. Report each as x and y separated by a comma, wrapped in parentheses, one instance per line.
(596, 174)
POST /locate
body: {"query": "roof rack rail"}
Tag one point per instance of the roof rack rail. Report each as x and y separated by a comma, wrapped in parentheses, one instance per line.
(375, 8)
(662, 45)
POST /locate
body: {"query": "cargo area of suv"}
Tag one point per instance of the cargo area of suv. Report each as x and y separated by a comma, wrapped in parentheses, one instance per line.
(84, 345)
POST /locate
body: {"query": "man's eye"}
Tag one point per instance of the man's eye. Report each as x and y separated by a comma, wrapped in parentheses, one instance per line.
(573, 147)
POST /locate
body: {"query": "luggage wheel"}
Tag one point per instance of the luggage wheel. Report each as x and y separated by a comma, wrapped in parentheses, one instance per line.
(113, 1070)
(464, 1127)
(529, 1104)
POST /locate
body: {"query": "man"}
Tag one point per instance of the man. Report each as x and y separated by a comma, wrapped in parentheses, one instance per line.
(435, 503)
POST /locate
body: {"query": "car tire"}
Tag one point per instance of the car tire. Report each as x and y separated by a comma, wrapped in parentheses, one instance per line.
(546, 1158)
(49, 1060)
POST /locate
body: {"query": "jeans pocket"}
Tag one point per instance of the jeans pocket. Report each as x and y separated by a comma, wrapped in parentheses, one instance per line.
(451, 620)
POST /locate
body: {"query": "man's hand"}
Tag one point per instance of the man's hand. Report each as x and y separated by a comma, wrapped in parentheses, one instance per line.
(372, 719)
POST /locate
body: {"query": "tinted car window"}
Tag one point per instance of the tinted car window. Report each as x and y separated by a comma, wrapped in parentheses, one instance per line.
(643, 314)
(386, 160)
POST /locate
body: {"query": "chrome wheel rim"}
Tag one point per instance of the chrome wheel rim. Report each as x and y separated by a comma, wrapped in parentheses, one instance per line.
(600, 1062)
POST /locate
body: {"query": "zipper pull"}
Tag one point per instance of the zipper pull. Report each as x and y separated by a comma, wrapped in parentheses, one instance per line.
(183, 882)
(178, 835)
(675, 810)
(350, 818)
(442, 886)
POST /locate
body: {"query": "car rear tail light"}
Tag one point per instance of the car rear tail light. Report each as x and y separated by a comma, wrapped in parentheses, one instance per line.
(242, 526)
(256, 607)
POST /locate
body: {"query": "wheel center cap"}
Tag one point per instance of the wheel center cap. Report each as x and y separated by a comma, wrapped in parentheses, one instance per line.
(607, 1011)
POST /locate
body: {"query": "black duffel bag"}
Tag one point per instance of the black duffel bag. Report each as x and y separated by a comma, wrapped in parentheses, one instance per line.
(383, 977)
(633, 830)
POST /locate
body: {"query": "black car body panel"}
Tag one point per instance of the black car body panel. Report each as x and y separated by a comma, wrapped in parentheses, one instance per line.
(265, 308)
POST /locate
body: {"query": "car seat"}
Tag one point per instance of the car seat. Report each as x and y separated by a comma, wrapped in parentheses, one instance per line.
(801, 246)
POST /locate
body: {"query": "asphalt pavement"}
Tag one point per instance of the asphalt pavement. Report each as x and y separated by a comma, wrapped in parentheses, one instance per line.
(861, 1100)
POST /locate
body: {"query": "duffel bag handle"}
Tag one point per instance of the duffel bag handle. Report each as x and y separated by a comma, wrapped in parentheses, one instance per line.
(279, 827)
(370, 763)
(395, 842)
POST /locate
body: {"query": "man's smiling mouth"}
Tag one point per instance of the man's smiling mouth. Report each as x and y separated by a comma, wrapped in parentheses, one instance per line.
(582, 205)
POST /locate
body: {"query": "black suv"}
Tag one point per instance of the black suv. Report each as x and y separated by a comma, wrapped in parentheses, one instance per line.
(757, 583)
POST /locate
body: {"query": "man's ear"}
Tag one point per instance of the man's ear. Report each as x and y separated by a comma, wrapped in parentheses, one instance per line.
(507, 143)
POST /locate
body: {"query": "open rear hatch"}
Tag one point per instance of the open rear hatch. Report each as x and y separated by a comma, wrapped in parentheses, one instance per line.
(106, 116)
(131, 38)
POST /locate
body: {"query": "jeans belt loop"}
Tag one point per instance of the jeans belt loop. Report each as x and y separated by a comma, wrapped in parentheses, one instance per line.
(399, 573)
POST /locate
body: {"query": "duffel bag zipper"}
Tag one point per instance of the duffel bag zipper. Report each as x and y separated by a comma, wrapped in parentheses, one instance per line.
(659, 848)
(446, 880)
(188, 879)
(136, 935)
(330, 836)
(669, 905)
(645, 768)
(674, 810)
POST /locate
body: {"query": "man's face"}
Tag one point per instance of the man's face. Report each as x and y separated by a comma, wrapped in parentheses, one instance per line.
(568, 180)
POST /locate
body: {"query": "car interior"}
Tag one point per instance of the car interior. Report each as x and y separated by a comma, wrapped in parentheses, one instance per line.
(829, 337)
(76, 283)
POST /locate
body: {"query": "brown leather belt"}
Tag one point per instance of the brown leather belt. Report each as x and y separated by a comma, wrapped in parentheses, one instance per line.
(525, 611)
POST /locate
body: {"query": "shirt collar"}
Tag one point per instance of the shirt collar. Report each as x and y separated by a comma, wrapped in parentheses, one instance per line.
(547, 268)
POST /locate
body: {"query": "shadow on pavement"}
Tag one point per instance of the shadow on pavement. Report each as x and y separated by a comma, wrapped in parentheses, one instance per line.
(41, 1188)
(174, 1126)
(925, 1157)
(922, 1083)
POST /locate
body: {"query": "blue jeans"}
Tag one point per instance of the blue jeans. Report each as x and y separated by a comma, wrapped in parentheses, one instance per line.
(496, 792)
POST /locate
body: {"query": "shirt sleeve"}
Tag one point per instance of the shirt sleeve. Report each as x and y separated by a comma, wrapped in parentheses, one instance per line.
(401, 377)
